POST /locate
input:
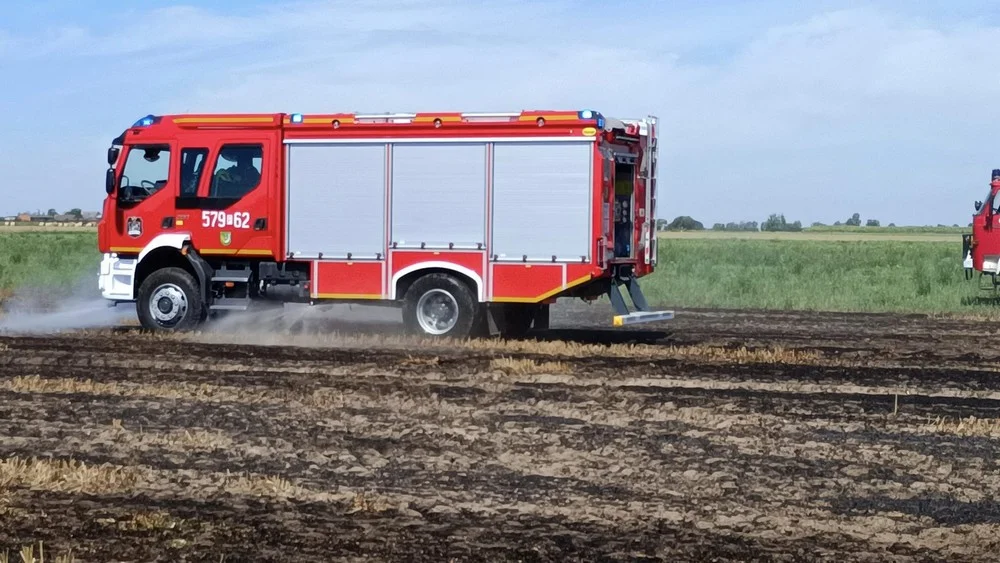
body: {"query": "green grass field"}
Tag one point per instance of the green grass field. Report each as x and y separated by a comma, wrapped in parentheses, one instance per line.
(47, 260)
(860, 275)
(845, 236)
(900, 229)
(788, 272)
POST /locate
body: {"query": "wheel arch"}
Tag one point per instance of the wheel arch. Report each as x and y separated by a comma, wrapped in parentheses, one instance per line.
(403, 279)
(166, 251)
(157, 259)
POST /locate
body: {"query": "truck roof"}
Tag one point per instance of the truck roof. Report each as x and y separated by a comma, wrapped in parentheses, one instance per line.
(526, 122)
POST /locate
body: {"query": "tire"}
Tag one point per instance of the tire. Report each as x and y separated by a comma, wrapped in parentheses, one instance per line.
(169, 301)
(440, 306)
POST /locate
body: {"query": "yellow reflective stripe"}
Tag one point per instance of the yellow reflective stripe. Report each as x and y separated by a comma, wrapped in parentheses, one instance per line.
(545, 295)
(560, 117)
(223, 120)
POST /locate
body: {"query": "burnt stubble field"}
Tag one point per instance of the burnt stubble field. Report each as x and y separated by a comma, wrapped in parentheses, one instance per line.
(732, 436)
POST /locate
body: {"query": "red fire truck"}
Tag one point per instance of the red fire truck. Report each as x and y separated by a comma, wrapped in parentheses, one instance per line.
(981, 248)
(468, 221)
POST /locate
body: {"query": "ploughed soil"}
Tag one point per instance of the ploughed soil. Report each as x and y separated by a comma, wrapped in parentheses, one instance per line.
(719, 436)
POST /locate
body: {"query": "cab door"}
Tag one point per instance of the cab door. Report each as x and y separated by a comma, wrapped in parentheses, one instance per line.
(143, 195)
(226, 197)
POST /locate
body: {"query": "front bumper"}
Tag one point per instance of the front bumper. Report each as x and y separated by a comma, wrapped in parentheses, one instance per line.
(117, 278)
(967, 251)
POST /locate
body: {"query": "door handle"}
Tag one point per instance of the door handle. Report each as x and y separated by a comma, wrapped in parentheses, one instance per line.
(260, 224)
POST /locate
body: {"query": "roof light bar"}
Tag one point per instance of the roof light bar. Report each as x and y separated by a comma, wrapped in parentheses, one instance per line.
(591, 114)
(146, 121)
(297, 118)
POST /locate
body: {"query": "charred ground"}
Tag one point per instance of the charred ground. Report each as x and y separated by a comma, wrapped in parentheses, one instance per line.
(734, 436)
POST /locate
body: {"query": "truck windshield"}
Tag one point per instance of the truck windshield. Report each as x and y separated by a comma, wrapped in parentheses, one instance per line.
(145, 172)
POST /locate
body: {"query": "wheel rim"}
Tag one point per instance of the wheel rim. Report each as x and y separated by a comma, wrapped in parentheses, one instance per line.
(437, 311)
(168, 305)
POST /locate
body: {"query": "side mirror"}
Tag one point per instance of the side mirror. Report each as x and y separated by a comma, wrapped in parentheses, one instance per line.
(113, 153)
(109, 181)
(979, 205)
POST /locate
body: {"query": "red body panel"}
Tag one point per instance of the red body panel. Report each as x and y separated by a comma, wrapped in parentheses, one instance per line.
(253, 227)
(348, 280)
(533, 283)
(402, 260)
(986, 229)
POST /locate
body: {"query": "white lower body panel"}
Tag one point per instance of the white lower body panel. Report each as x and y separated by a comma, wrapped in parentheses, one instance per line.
(117, 278)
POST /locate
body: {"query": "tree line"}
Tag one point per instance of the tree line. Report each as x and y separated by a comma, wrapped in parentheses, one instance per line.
(774, 223)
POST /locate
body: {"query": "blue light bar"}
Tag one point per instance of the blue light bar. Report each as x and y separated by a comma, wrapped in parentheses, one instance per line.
(146, 121)
(297, 118)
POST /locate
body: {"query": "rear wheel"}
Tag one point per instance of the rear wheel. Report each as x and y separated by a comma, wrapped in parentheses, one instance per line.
(169, 300)
(441, 306)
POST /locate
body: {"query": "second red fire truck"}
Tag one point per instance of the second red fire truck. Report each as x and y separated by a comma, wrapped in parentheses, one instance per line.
(468, 221)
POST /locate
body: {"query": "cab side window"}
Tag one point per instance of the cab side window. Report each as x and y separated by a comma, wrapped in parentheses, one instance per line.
(146, 172)
(192, 165)
(237, 171)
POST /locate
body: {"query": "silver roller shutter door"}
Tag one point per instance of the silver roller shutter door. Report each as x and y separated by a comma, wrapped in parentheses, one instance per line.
(542, 196)
(439, 195)
(336, 201)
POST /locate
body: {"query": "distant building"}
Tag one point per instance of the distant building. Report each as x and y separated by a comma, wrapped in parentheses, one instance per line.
(24, 217)
(91, 215)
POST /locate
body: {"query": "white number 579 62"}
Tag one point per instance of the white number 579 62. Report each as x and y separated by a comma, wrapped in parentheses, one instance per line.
(221, 219)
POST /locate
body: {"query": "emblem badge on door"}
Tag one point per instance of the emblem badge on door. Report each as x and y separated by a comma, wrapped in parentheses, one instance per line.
(133, 227)
(225, 237)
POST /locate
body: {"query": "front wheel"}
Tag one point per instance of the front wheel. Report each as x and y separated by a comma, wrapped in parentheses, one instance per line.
(441, 306)
(169, 300)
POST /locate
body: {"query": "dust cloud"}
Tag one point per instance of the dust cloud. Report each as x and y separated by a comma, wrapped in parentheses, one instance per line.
(41, 311)
(274, 325)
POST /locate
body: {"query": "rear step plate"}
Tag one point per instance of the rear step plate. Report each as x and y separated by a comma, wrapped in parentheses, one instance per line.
(230, 305)
(235, 277)
(639, 317)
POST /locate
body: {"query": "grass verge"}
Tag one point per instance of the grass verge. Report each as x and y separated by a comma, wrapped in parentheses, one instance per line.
(865, 276)
(56, 261)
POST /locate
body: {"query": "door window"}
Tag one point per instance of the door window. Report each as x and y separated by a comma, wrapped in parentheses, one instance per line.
(146, 171)
(192, 164)
(237, 171)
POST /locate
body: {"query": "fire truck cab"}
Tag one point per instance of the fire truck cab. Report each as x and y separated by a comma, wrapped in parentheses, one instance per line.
(470, 222)
(981, 248)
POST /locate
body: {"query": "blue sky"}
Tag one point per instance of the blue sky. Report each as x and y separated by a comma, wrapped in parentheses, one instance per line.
(814, 109)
